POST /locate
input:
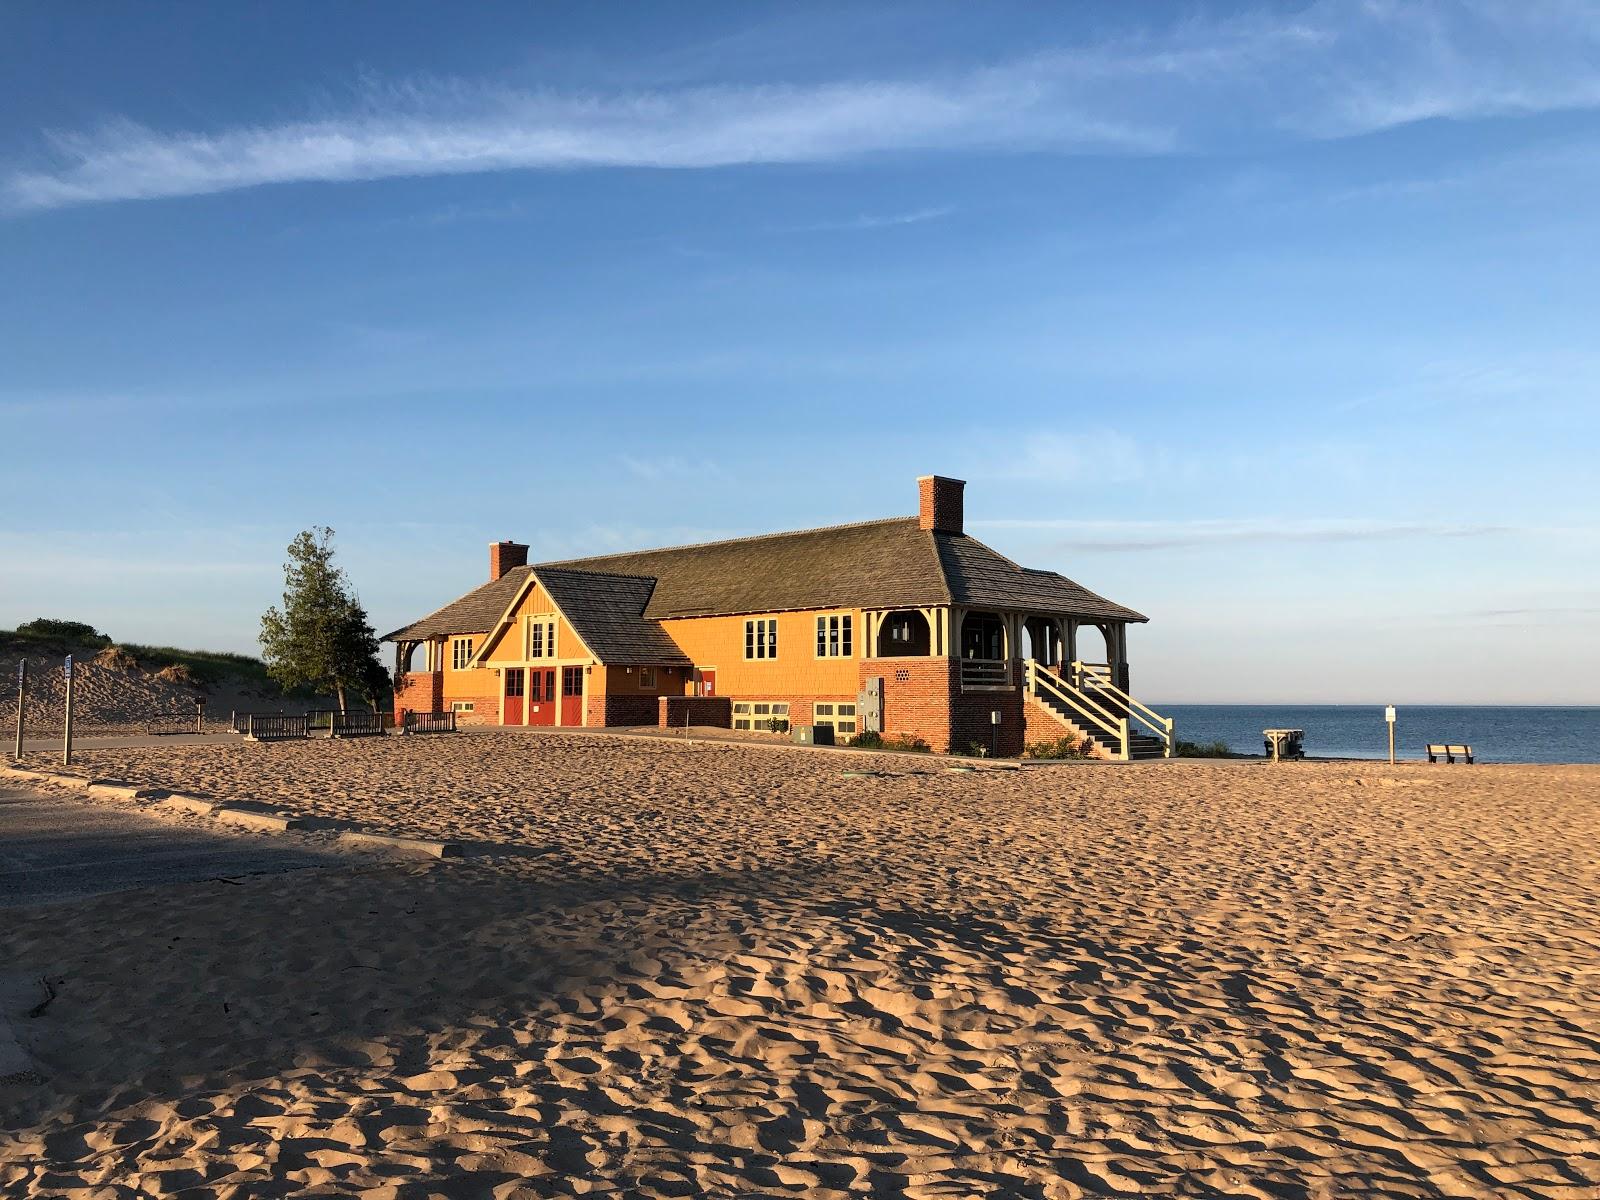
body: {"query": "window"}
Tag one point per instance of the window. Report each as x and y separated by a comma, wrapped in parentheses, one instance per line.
(541, 637)
(460, 654)
(761, 638)
(760, 715)
(461, 706)
(841, 716)
(647, 679)
(833, 636)
(572, 681)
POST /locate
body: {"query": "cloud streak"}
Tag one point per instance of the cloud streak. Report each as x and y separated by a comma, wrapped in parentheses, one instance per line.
(1335, 69)
(1134, 536)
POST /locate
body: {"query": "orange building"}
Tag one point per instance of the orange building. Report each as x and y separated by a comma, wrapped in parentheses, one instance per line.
(905, 626)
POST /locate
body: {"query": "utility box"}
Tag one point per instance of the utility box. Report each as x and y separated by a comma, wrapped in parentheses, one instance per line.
(869, 705)
(813, 735)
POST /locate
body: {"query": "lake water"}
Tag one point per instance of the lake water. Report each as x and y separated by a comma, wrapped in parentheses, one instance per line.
(1511, 734)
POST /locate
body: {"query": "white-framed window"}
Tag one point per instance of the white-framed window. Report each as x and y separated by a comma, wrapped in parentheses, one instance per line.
(833, 636)
(461, 706)
(460, 653)
(759, 715)
(840, 715)
(647, 679)
(761, 638)
(541, 640)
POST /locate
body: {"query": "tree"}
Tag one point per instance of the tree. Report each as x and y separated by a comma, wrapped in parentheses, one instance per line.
(321, 638)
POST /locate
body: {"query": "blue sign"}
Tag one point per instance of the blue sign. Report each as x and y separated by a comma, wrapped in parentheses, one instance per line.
(69, 666)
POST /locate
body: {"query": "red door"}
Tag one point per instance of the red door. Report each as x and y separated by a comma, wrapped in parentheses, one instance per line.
(511, 714)
(708, 681)
(572, 695)
(542, 696)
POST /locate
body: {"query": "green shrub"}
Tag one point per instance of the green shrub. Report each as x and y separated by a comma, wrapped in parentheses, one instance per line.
(1063, 747)
(45, 628)
(1217, 749)
(868, 740)
(778, 725)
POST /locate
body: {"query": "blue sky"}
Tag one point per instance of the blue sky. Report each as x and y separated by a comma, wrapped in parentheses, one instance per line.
(1276, 323)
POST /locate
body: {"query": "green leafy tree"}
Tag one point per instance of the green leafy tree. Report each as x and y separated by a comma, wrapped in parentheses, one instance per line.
(321, 637)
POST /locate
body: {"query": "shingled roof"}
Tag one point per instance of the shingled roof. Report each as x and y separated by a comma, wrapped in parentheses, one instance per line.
(607, 611)
(893, 563)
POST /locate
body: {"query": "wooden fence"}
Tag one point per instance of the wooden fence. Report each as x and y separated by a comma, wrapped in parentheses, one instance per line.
(429, 722)
(264, 727)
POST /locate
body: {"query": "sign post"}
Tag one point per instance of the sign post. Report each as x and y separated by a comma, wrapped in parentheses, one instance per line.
(1388, 715)
(994, 733)
(66, 732)
(22, 692)
(199, 716)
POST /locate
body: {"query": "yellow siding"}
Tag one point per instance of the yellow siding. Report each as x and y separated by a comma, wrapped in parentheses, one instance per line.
(797, 671)
(510, 647)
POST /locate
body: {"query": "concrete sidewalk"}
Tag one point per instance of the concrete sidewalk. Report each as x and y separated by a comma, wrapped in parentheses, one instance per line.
(55, 849)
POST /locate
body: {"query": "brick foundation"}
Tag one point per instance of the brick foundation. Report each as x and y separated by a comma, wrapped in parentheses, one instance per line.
(674, 712)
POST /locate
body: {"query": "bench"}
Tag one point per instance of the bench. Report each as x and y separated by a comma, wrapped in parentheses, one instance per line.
(1449, 753)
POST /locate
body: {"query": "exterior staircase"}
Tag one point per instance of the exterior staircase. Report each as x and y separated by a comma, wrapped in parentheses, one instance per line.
(1092, 709)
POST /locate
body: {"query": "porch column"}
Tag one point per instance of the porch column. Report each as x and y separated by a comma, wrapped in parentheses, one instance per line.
(1119, 662)
(1072, 642)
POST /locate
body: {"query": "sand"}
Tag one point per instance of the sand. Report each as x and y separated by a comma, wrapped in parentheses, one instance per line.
(701, 970)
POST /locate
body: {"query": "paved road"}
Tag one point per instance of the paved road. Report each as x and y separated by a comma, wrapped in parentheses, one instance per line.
(53, 849)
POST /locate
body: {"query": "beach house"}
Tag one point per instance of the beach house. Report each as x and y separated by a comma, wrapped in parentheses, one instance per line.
(906, 626)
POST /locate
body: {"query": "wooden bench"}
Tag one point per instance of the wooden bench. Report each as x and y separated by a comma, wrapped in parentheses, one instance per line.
(1449, 753)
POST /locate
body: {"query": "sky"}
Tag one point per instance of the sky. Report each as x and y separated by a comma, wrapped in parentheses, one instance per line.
(1277, 323)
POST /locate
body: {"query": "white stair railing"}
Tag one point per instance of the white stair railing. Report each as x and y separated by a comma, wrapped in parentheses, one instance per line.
(1044, 683)
(1098, 677)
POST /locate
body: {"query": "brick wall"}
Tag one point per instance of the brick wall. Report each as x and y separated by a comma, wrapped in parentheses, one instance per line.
(1042, 724)
(916, 696)
(971, 720)
(604, 709)
(674, 712)
(421, 691)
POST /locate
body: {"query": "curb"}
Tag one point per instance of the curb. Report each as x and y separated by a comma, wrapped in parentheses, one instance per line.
(409, 845)
(258, 820)
(194, 804)
(119, 791)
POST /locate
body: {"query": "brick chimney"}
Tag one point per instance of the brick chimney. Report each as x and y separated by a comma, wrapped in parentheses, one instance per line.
(505, 555)
(942, 503)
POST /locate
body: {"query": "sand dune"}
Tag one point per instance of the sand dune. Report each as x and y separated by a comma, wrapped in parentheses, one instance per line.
(731, 971)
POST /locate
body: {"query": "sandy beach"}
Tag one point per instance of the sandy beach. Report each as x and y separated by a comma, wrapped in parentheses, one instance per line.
(672, 970)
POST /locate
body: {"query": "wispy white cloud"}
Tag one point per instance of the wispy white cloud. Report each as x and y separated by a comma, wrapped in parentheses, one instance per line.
(1333, 69)
(867, 221)
(1122, 536)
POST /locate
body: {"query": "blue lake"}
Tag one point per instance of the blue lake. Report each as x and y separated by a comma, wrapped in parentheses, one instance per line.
(1509, 734)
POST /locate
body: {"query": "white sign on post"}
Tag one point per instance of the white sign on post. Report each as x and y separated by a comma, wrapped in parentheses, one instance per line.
(1388, 714)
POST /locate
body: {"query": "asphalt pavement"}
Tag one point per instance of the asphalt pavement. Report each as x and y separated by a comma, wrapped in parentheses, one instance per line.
(55, 849)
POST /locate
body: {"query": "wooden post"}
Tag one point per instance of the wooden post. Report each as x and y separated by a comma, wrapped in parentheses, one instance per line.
(199, 716)
(1389, 716)
(66, 731)
(22, 691)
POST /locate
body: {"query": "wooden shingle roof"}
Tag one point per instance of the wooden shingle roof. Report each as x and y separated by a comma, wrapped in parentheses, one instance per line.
(893, 563)
(607, 611)
(876, 564)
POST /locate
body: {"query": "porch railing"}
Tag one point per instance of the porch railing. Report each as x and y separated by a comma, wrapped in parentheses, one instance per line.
(981, 672)
(429, 722)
